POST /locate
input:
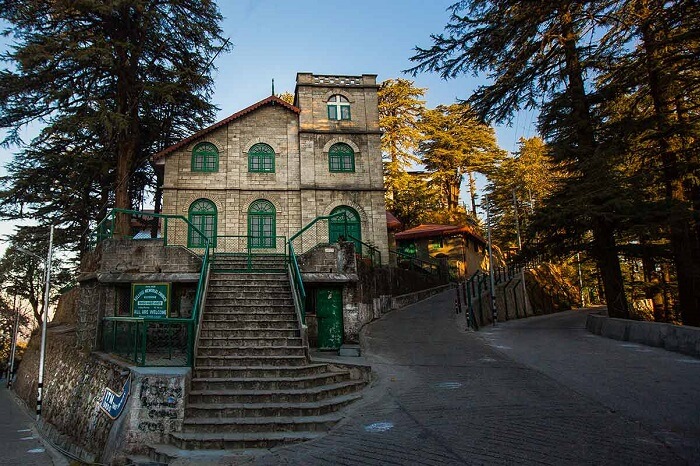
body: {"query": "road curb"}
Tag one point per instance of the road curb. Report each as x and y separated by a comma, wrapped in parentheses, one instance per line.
(681, 339)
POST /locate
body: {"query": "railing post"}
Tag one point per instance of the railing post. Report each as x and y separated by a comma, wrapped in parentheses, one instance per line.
(144, 334)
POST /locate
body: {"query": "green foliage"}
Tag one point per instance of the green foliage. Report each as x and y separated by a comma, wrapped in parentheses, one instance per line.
(22, 270)
(400, 108)
(517, 185)
(455, 143)
(287, 97)
(110, 83)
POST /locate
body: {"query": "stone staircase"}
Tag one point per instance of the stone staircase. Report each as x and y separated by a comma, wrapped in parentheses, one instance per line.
(253, 385)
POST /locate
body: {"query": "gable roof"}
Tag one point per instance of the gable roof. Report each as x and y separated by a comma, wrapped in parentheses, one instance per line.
(272, 100)
(436, 231)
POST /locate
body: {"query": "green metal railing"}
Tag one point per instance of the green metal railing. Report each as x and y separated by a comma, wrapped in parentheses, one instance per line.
(313, 234)
(369, 252)
(150, 341)
(412, 263)
(147, 341)
(297, 283)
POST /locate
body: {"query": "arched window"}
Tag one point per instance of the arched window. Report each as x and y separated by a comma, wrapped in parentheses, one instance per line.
(261, 158)
(338, 108)
(205, 157)
(202, 215)
(261, 224)
(341, 158)
(345, 226)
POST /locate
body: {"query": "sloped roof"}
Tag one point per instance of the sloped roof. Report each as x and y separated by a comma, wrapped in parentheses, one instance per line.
(436, 231)
(391, 221)
(272, 100)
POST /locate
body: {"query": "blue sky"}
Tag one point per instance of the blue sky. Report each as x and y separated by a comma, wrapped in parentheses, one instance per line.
(278, 38)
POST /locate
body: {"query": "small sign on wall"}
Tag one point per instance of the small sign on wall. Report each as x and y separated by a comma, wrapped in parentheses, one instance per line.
(150, 300)
(112, 403)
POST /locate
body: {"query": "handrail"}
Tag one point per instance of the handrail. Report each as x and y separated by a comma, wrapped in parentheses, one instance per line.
(296, 273)
(313, 222)
(193, 320)
(432, 265)
(373, 249)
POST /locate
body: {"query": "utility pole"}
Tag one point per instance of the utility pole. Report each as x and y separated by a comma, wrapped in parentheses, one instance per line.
(42, 354)
(14, 344)
(494, 311)
(580, 279)
(520, 249)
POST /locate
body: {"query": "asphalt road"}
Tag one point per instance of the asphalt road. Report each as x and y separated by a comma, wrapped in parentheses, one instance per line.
(537, 391)
(20, 445)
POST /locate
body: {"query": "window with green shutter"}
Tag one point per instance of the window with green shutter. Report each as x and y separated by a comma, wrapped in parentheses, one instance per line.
(261, 224)
(341, 158)
(202, 215)
(205, 157)
(261, 158)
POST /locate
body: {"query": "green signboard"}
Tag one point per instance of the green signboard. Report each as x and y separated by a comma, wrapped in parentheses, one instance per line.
(150, 300)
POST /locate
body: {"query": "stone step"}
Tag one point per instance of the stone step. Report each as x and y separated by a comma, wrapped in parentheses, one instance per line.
(250, 308)
(241, 332)
(222, 278)
(209, 361)
(250, 351)
(233, 441)
(258, 371)
(251, 301)
(209, 342)
(249, 325)
(314, 408)
(254, 290)
(232, 316)
(262, 424)
(300, 395)
(269, 383)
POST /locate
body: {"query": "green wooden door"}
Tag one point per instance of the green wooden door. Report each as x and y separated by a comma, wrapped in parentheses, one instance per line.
(346, 227)
(329, 312)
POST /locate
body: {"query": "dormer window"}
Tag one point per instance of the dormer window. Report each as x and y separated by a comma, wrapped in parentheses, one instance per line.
(338, 108)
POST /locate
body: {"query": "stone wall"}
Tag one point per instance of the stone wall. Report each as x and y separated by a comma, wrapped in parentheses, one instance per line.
(75, 377)
(365, 287)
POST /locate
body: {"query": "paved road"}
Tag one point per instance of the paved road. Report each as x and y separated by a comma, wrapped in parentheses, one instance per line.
(19, 443)
(655, 387)
(445, 396)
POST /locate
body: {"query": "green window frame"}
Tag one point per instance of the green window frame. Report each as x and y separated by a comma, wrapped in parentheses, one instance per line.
(262, 228)
(261, 158)
(341, 158)
(338, 108)
(345, 226)
(205, 157)
(203, 215)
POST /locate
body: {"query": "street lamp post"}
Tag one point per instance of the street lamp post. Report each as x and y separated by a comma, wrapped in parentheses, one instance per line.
(42, 352)
(14, 343)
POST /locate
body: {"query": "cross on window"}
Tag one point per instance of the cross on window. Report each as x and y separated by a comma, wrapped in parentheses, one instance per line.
(338, 108)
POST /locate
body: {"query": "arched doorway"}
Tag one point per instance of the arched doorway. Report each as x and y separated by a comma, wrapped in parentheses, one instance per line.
(346, 227)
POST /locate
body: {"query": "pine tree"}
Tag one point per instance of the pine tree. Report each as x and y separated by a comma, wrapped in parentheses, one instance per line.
(654, 87)
(400, 108)
(456, 144)
(120, 78)
(536, 58)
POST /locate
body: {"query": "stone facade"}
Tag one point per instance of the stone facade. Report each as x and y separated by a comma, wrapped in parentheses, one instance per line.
(302, 185)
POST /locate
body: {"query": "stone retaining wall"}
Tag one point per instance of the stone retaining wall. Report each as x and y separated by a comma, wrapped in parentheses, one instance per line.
(677, 338)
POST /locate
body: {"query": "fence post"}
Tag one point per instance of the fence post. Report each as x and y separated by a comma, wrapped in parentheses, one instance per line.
(458, 302)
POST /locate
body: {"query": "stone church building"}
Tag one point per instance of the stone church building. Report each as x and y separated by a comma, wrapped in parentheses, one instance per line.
(268, 170)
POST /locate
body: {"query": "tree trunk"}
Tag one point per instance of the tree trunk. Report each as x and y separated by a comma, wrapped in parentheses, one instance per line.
(604, 246)
(157, 199)
(472, 192)
(682, 235)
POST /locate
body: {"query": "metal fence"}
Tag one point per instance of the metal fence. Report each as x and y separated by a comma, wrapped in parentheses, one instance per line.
(149, 342)
(251, 245)
(154, 341)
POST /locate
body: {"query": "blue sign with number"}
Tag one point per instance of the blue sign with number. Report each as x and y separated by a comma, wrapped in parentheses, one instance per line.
(113, 403)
